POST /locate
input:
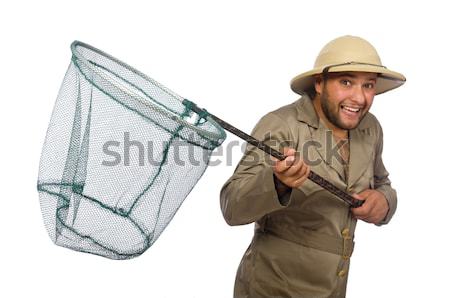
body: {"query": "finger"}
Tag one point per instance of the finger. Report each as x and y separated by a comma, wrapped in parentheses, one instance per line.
(299, 182)
(304, 170)
(358, 196)
(366, 217)
(302, 175)
(361, 211)
(372, 219)
(361, 217)
(308, 170)
(297, 169)
(363, 195)
(365, 210)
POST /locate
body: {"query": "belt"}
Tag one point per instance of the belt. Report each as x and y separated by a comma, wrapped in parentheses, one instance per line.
(342, 245)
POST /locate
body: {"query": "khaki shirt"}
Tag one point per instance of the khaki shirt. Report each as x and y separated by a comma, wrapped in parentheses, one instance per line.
(303, 241)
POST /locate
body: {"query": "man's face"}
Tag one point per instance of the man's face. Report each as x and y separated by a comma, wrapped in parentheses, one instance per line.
(345, 98)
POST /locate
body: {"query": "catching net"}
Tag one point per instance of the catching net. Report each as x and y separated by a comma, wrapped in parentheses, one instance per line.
(121, 154)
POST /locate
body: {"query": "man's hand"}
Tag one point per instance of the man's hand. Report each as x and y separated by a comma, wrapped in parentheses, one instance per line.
(292, 171)
(375, 207)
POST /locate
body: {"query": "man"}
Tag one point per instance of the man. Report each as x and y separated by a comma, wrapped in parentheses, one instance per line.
(303, 234)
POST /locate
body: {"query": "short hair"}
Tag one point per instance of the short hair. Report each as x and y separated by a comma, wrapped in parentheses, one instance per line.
(311, 93)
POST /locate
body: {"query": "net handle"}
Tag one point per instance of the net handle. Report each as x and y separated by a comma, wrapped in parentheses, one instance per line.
(319, 180)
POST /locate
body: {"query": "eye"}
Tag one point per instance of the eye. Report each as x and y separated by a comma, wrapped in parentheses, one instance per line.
(345, 82)
(369, 85)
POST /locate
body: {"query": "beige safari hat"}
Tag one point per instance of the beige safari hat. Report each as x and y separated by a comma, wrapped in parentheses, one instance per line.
(349, 53)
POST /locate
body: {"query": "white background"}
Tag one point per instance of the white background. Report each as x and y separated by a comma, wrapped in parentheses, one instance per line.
(236, 59)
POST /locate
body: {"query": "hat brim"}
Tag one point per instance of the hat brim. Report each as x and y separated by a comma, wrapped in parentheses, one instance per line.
(387, 79)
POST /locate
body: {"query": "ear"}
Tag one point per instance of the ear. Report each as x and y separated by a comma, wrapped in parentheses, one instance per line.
(318, 84)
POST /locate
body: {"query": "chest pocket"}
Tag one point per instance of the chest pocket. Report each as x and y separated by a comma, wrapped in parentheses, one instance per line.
(366, 180)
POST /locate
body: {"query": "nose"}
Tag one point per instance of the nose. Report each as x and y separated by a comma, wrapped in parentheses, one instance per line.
(358, 95)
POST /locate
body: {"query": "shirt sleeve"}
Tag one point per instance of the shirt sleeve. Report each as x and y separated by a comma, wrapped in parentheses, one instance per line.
(250, 193)
(382, 182)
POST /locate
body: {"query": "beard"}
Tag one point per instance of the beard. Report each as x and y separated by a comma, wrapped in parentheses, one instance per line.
(332, 112)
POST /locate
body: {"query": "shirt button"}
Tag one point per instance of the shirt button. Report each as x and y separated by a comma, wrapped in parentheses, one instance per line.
(345, 232)
(342, 273)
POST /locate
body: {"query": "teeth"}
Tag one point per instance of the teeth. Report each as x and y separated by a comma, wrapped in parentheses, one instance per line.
(354, 110)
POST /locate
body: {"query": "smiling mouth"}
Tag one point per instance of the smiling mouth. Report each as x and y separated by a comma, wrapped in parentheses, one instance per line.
(349, 109)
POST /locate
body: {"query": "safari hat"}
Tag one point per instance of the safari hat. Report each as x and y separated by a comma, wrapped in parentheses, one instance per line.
(348, 53)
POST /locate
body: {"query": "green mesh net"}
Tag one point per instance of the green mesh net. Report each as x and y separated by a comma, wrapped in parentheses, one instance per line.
(121, 154)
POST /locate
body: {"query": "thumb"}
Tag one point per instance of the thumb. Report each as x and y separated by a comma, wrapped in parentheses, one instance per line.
(358, 196)
(288, 151)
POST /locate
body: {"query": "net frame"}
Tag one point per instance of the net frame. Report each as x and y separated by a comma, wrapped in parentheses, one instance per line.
(208, 135)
